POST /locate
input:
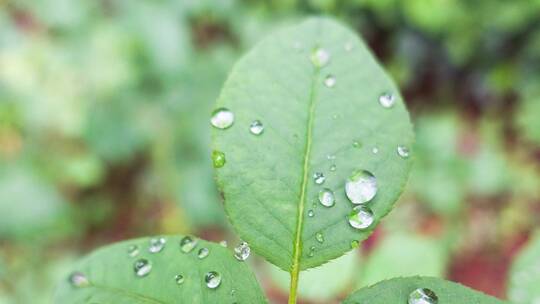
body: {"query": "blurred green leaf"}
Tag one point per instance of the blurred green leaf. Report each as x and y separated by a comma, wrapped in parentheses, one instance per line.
(525, 274)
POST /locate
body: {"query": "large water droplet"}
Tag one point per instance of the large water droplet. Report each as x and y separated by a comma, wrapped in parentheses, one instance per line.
(319, 237)
(156, 245)
(222, 118)
(218, 159)
(387, 100)
(212, 279)
(361, 187)
(320, 57)
(319, 178)
(79, 280)
(256, 127)
(403, 151)
(326, 197)
(361, 217)
(179, 279)
(311, 213)
(187, 244)
(423, 296)
(133, 251)
(330, 81)
(242, 251)
(142, 267)
(203, 252)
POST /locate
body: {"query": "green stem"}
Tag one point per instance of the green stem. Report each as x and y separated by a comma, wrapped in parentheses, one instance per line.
(295, 274)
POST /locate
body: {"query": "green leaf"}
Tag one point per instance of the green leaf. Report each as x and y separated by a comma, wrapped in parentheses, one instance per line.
(267, 181)
(525, 274)
(112, 279)
(398, 290)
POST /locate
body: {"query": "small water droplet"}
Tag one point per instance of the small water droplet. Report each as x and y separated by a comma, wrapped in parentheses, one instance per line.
(218, 159)
(133, 251)
(375, 150)
(361, 187)
(78, 279)
(311, 252)
(361, 217)
(187, 244)
(320, 57)
(142, 267)
(319, 237)
(335, 116)
(203, 252)
(348, 46)
(319, 178)
(256, 127)
(223, 243)
(222, 118)
(357, 144)
(423, 296)
(387, 100)
(330, 81)
(242, 251)
(354, 244)
(179, 279)
(157, 245)
(403, 151)
(326, 197)
(311, 213)
(212, 279)
(330, 156)
(333, 167)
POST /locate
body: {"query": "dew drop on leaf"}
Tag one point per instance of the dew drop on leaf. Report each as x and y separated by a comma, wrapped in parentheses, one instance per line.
(361, 217)
(319, 237)
(203, 252)
(361, 187)
(311, 213)
(311, 252)
(320, 57)
(187, 244)
(142, 267)
(423, 296)
(222, 118)
(330, 156)
(79, 280)
(319, 178)
(387, 100)
(357, 144)
(403, 151)
(333, 167)
(133, 251)
(242, 251)
(156, 245)
(256, 127)
(212, 279)
(218, 159)
(375, 150)
(179, 279)
(330, 81)
(326, 197)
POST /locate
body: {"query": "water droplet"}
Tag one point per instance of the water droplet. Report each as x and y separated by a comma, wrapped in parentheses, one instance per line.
(223, 243)
(403, 151)
(242, 251)
(330, 81)
(330, 157)
(142, 267)
(319, 178)
(222, 118)
(348, 46)
(333, 167)
(179, 279)
(311, 213)
(218, 159)
(335, 116)
(203, 252)
(187, 244)
(79, 280)
(156, 245)
(357, 144)
(326, 197)
(361, 187)
(319, 237)
(387, 100)
(361, 217)
(212, 279)
(354, 244)
(256, 127)
(133, 251)
(311, 252)
(423, 296)
(375, 150)
(320, 57)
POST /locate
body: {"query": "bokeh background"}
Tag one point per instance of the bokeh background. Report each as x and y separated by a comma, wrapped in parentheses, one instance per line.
(104, 133)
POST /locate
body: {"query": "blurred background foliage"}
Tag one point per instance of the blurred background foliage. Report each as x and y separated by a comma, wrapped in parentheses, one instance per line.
(104, 134)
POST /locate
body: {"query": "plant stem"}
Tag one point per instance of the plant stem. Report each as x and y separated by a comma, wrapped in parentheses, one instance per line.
(295, 274)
